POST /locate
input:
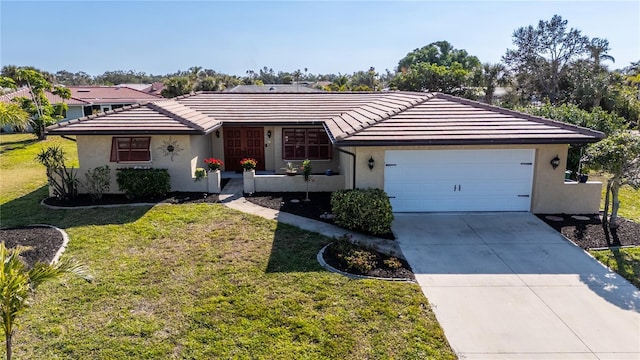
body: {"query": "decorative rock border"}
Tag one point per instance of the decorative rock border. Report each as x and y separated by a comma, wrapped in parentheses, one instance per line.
(65, 241)
(320, 258)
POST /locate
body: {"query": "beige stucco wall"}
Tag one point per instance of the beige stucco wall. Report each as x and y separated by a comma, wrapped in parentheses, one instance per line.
(549, 194)
(272, 183)
(95, 151)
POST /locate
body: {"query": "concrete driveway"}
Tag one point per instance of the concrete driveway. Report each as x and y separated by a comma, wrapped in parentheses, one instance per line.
(507, 286)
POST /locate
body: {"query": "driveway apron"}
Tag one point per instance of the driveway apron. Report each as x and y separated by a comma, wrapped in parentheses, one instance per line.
(507, 286)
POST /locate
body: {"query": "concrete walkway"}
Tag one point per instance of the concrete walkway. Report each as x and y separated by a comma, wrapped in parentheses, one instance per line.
(232, 196)
(507, 286)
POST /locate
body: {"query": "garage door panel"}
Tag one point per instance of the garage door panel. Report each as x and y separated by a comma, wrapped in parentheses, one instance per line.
(459, 180)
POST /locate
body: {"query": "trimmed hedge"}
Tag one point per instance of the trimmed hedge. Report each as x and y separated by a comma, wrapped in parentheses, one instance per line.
(143, 183)
(367, 210)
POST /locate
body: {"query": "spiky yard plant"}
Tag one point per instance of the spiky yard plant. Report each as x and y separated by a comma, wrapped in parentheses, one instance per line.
(18, 284)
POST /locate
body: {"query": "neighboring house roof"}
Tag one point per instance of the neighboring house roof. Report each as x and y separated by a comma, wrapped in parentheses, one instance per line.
(53, 99)
(110, 94)
(271, 88)
(139, 87)
(351, 119)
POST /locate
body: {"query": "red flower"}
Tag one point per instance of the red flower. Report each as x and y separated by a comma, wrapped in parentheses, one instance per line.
(213, 163)
(248, 163)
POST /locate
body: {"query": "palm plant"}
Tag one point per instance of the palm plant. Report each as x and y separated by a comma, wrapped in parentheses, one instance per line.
(18, 284)
(13, 115)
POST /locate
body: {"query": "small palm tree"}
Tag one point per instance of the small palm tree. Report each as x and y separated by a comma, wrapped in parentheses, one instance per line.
(12, 114)
(18, 283)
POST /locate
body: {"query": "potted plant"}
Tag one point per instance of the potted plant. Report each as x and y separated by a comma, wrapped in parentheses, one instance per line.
(290, 169)
(582, 178)
(200, 174)
(306, 171)
(248, 163)
(213, 164)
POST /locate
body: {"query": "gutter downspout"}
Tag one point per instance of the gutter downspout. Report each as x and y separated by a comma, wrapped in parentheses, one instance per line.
(354, 164)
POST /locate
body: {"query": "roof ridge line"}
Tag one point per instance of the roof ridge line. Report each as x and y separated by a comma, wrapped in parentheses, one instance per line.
(412, 103)
(157, 107)
(538, 119)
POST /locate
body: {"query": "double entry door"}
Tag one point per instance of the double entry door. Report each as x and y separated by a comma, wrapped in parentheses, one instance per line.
(243, 142)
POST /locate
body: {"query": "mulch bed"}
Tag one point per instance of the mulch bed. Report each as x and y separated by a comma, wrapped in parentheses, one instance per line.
(331, 256)
(591, 233)
(42, 242)
(319, 204)
(119, 199)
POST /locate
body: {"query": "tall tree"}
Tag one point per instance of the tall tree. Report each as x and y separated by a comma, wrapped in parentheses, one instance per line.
(18, 284)
(598, 49)
(436, 67)
(492, 76)
(542, 54)
(43, 113)
(176, 86)
(618, 156)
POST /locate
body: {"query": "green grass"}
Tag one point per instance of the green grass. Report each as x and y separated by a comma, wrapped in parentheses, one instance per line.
(625, 262)
(204, 282)
(20, 173)
(629, 200)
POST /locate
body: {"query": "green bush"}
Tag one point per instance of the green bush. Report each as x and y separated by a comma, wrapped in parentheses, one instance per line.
(367, 210)
(98, 181)
(143, 183)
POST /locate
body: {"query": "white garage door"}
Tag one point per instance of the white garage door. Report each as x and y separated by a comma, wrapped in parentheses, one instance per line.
(459, 180)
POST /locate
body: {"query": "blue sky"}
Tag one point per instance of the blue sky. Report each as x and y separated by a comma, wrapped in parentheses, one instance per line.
(159, 37)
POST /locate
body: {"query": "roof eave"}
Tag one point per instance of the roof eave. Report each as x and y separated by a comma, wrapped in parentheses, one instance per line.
(124, 132)
(479, 142)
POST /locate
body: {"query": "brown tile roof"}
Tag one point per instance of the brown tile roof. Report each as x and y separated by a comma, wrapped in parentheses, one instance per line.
(111, 94)
(351, 119)
(276, 108)
(163, 117)
(54, 99)
(442, 119)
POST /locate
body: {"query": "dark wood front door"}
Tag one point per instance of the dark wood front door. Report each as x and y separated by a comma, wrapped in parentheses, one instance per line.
(243, 142)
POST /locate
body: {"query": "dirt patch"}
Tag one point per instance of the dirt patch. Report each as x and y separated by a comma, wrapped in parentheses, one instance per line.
(42, 243)
(588, 232)
(293, 203)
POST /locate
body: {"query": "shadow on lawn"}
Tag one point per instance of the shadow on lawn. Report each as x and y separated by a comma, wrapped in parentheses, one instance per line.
(294, 250)
(14, 145)
(27, 210)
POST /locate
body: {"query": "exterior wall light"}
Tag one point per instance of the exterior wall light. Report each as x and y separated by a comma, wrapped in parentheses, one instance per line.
(218, 134)
(269, 134)
(555, 162)
(371, 162)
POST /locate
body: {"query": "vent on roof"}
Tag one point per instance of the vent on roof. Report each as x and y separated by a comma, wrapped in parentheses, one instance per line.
(84, 90)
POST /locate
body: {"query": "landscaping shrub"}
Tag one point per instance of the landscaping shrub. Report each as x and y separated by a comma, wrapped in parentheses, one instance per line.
(355, 258)
(61, 178)
(143, 183)
(367, 210)
(98, 181)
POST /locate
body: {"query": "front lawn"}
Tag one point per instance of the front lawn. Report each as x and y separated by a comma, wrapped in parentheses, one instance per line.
(203, 281)
(20, 173)
(625, 262)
